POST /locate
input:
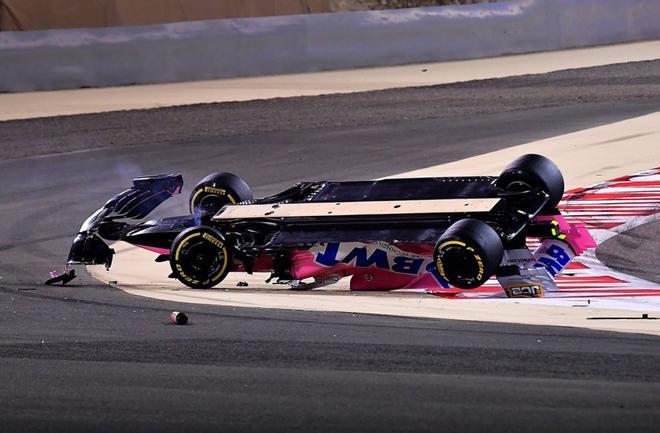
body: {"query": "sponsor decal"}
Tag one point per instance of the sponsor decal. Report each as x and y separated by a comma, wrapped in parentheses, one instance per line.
(522, 257)
(369, 255)
(534, 290)
(553, 256)
(380, 255)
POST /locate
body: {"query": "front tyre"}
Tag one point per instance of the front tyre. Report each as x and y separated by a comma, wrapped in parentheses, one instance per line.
(216, 190)
(200, 257)
(468, 253)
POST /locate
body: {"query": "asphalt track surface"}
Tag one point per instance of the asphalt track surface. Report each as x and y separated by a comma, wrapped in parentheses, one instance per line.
(91, 358)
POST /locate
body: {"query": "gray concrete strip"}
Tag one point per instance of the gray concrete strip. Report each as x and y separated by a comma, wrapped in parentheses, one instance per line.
(80, 101)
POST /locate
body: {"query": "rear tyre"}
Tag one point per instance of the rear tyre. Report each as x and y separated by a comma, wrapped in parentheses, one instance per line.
(217, 190)
(468, 253)
(533, 171)
(200, 257)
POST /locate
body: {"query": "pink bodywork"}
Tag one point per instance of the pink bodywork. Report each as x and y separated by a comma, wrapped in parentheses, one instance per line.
(383, 275)
(376, 276)
(386, 266)
(577, 235)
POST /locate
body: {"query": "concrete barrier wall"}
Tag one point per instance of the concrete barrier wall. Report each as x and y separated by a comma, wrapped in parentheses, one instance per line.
(68, 14)
(58, 59)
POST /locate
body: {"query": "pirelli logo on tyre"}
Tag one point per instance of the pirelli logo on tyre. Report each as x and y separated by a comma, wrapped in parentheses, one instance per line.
(441, 267)
(217, 191)
(212, 239)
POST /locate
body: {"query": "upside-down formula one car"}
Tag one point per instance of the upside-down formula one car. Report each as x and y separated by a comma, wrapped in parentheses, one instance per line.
(417, 233)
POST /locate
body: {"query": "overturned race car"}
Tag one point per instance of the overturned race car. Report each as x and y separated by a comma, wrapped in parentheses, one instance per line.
(417, 233)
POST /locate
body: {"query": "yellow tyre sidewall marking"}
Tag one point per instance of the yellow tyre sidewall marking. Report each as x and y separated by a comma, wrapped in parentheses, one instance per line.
(182, 243)
(218, 192)
(218, 243)
(459, 243)
(480, 265)
(194, 198)
(477, 258)
(179, 268)
(210, 238)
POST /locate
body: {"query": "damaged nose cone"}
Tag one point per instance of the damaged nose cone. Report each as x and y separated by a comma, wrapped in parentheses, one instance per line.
(90, 250)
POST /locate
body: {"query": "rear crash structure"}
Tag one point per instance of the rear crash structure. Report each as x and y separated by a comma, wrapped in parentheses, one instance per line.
(422, 233)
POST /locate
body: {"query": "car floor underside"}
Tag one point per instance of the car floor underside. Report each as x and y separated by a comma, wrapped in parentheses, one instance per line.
(510, 214)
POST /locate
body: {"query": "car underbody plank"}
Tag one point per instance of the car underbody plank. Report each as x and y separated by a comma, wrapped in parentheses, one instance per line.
(364, 208)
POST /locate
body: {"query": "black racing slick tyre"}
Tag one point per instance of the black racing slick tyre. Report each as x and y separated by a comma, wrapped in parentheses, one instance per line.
(468, 253)
(200, 257)
(217, 190)
(533, 171)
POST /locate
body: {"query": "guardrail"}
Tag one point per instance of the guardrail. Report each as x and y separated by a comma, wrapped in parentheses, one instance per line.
(59, 59)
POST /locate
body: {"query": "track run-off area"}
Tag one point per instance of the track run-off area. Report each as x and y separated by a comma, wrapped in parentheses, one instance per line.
(587, 157)
(136, 272)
